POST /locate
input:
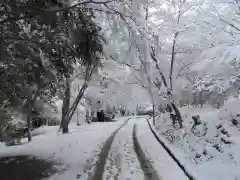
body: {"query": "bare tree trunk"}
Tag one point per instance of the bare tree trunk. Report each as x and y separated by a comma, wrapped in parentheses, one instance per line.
(173, 49)
(65, 127)
(68, 112)
(154, 121)
(1, 45)
(169, 91)
(29, 126)
(178, 114)
(78, 123)
(201, 102)
(65, 107)
(66, 118)
(172, 60)
(29, 106)
(87, 116)
(76, 102)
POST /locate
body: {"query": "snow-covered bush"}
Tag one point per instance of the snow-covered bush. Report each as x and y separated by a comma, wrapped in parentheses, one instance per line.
(214, 140)
(213, 90)
(143, 110)
(14, 131)
(5, 117)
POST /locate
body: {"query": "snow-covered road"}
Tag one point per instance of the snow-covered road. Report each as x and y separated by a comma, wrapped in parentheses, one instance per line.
(122, 160)
(134, 153)
(121, 150)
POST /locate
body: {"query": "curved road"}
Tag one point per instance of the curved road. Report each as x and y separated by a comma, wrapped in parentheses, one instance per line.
(123, 156)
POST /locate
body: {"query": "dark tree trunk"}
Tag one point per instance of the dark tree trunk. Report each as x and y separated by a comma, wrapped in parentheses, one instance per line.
(65, 127)
(201, 99)
(168, 108)
(87, 116)
(1, 46)
(172, 60)
(65, 107)
(29, 126)
(154, 122)
(76, 102)
(174, 118)
(78, 123)
(99, 116)
(102, 116)
(29, 107)
(178, 114)
(169, 93)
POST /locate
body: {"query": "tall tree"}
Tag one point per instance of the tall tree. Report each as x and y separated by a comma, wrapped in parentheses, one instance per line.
(43, 40)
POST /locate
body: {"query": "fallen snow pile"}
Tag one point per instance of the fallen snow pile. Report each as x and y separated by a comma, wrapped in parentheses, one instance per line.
(211, 148)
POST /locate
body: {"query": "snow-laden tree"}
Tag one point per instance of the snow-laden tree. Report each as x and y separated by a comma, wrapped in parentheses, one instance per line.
(160, 46)
(45, 41)
(168, 44)
(219, 57)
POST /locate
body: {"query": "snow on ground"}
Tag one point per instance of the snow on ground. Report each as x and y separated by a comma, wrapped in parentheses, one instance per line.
(211, 150)
(122, 161)
(73, 150)
(2, 146)
(47, 130)
(166, 168)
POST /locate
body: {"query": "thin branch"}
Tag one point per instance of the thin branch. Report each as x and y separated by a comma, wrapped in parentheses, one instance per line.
(140, 83)
(188, 51)
(120, 14)
(173, 58)
(238, 4)
(153, 56)
(55, 10)
(157, 84)
(183, 68)
(80, 4)
(182, 12)
(122, 63)
(230, 24)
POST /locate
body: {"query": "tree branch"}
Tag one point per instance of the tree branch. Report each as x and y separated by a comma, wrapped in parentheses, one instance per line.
(183, 68)
(122, 63)
(230, 24)
(77, 5)
(153, 56)
(173, 58)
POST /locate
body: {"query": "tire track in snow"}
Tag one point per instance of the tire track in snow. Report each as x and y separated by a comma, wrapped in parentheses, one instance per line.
(99, 169)
(113, 165)
(149, 171)
(178, 162)
(122, 162)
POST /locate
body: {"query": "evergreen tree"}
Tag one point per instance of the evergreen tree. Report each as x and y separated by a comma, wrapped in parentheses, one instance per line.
(41, 43)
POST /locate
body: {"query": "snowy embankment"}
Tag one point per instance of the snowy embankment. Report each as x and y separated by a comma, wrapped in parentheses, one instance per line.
(211, 149)
(165, 166)
(74, 150)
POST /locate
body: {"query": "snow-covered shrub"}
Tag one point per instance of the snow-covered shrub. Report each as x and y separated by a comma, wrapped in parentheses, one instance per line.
(215, 139)
(210, 89)
(15, 130)
(123, 110)
(5, 117)
(145, 110)
(53, 122)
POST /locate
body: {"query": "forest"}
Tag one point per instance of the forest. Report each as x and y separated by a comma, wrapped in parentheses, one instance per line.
(59, 59)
